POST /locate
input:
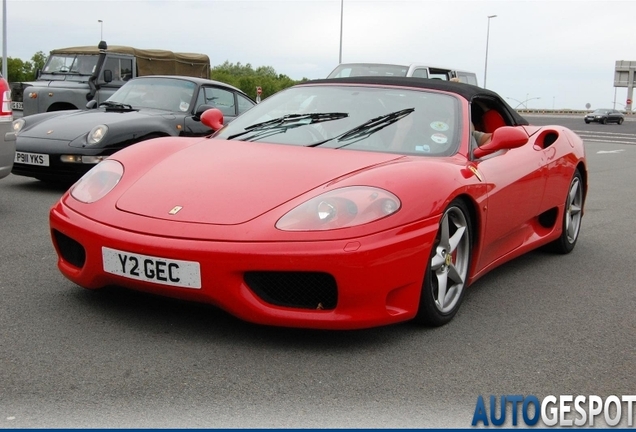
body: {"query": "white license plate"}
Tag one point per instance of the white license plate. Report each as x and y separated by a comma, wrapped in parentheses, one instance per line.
(32, 158)
(158, 270)
(16, 105)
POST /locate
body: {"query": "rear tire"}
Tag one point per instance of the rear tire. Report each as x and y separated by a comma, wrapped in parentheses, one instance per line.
(572, 214)
(447, 269)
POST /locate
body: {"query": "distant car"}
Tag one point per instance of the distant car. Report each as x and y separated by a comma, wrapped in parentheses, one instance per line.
(605, 115)
(7, 137)
(64, 145)
(415, 70)
(336, 204)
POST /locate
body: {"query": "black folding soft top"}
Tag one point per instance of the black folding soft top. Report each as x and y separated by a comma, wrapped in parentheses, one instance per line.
(467, 91)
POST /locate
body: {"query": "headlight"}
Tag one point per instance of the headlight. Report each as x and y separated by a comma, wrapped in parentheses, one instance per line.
(340, 208)
(17, 125)
(96, 183)
(96, 134)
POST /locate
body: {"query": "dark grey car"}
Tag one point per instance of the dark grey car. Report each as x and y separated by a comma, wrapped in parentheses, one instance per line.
(605, 115)
(61, 146)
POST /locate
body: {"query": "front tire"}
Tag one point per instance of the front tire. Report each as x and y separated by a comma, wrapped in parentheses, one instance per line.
(620, 121)
(447, 269)
(572, 214)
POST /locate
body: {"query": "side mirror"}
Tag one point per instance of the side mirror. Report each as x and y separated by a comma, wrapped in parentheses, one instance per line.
(504, 138)
(212, 118)
(38, 72)
(91, 104)
(108, 75)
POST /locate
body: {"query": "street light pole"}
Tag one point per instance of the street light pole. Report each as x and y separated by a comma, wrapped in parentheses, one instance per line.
(487, 39)
(101, 30)
(528, 100)
(4, 40)
(341, 19)
(524, 103)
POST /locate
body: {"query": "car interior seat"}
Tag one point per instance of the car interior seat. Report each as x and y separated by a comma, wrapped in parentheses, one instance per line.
(491, 121)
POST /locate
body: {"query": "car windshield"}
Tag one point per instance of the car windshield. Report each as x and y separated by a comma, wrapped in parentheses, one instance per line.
(601, 111)
(390, 120)
(71, 64)
(171, 94)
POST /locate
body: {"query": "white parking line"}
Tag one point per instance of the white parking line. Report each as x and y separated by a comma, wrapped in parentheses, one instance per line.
(585, 132)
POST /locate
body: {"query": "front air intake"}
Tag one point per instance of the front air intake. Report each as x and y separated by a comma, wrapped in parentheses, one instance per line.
(303, 290)
(70, 250)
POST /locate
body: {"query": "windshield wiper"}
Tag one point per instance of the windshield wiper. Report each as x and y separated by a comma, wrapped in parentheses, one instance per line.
(289, 121)
(116, 105)
(367, 128)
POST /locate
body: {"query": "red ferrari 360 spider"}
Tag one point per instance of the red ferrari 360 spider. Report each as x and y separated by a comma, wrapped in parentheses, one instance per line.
(336, 204)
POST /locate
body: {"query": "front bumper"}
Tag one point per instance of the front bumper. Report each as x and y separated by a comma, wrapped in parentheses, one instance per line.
(56, 170)
(7, 149)
(378, 278)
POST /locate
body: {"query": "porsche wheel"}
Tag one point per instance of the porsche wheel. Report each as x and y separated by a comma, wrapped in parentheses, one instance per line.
(620, 121)
(447, 270)
(604, 121)
(587, 122)
(571, 224)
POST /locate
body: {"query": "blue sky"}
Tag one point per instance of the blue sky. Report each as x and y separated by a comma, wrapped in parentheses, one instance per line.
(552, 53)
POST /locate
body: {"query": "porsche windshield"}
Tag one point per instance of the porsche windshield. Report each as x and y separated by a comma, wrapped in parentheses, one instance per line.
(171, 94)
(392, 120)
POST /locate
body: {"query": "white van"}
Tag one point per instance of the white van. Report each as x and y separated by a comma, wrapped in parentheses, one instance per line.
(412, 70)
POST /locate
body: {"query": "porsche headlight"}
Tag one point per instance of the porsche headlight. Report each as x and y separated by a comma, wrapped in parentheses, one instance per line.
(96, 183)
(96, 134)
(340, 208)
(17, 125)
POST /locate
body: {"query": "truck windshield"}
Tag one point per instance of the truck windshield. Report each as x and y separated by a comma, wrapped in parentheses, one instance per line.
(78, 64)
(368, 69)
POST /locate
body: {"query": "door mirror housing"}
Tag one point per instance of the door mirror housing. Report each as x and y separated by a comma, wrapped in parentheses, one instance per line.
(503, 138)
(212, 118)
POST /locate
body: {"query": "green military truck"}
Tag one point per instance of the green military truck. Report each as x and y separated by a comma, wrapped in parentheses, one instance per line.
(73, 76)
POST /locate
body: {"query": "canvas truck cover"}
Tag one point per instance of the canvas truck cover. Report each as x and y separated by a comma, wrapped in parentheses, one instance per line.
(154, 61)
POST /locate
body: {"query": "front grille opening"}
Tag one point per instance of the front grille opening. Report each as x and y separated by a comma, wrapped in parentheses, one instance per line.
(304, 290)
(71, 251)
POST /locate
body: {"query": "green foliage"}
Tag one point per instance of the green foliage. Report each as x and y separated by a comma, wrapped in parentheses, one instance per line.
(38, 59)
(247, 78)
(19, 70)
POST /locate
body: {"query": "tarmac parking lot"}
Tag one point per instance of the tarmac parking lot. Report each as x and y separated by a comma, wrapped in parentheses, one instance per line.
(542, 324)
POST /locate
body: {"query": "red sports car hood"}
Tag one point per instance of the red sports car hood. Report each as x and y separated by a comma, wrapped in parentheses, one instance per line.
(231, 182)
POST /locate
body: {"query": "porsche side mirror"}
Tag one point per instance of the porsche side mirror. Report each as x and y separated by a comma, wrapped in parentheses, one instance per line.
(212, 118)
(91, 104)
(504, 138)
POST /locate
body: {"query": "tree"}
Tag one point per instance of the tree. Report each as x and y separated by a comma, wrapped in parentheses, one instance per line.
(247, 78)
(39, 60)
(19, 70)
